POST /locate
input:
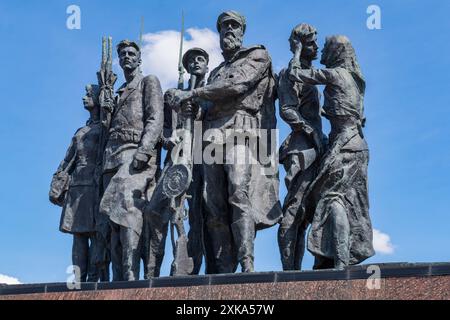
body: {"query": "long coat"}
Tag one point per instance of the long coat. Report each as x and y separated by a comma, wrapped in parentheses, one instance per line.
(136, 126)
(342, 175)
(243, 92)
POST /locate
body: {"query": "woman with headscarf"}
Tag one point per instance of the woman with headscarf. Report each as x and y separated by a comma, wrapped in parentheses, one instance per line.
(341, 230)
(79, 196)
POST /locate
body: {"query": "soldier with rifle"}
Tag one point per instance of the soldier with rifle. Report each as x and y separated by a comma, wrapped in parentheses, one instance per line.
(181, 179)
(106, 79)
(131, 160)
(195, 61)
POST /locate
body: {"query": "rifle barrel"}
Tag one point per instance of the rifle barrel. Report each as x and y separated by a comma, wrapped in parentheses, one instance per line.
(103, 53)
(180, 56)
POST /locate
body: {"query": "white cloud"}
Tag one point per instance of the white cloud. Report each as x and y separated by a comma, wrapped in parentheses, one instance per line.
(160, 52)
(8, 280)
(382, 242)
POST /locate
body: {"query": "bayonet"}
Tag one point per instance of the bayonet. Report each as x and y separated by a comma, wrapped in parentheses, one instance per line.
(180, 55)
(141, 33)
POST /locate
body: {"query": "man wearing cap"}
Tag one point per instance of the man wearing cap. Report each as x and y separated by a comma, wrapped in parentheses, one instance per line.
(238, 199)
(195, 61)
(131, 160)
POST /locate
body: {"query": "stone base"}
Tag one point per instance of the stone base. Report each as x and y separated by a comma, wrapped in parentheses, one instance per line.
(396, 281)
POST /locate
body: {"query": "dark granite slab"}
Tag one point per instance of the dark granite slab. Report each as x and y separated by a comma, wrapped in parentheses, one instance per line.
(276, 284)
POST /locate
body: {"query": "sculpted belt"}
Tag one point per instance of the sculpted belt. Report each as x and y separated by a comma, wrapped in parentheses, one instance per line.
(126, 135)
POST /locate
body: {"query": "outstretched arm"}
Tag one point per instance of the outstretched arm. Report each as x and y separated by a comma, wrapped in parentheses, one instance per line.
(247, 76)
(311, 76)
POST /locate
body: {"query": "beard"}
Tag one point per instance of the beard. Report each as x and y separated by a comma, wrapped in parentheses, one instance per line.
(230, 42)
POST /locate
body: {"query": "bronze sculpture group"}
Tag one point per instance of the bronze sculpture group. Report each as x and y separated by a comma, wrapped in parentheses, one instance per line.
(120, 205)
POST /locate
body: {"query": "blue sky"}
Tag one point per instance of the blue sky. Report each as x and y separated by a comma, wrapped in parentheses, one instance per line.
(406, 64)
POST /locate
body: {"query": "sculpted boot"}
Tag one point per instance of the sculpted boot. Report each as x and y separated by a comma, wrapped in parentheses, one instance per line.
(286, 243)
(244, 236)
(80, 258)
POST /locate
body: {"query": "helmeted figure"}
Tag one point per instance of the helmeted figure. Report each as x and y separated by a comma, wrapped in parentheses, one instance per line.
(195, 61)
(131, 160)
(238, 198)
(80, 201)
(341, 230)
(162, 209)
(301, 151)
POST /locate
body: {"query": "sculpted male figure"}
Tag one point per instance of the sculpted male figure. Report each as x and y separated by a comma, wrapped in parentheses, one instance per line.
(160, 209)
(237, 198)
(80, 202)
(196, 61)
(341, 230)
(300, 152)
(131, 160)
